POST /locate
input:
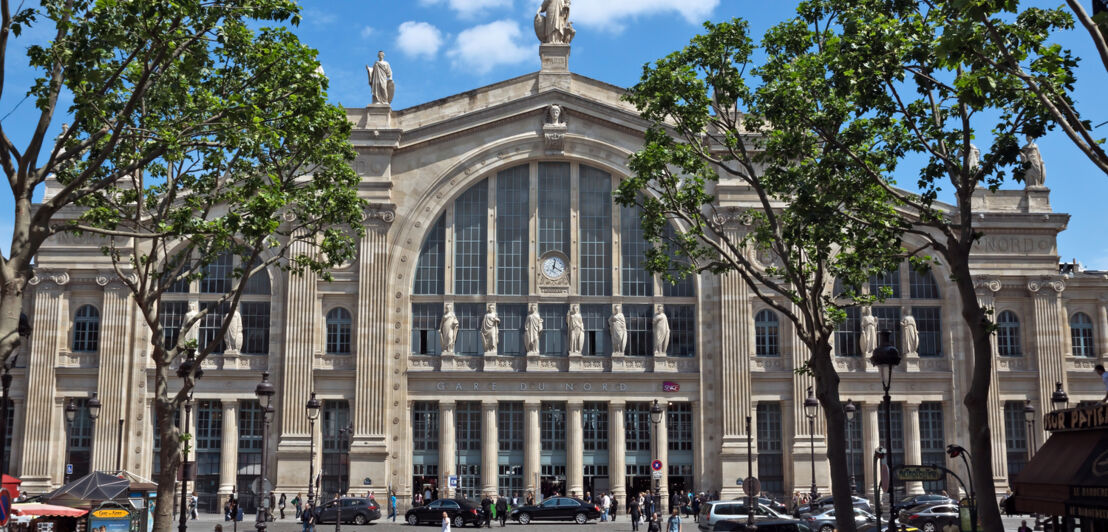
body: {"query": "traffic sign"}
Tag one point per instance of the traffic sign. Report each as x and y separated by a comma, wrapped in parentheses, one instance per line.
(5, 506)
(752, 487)
(657, 475)
(656, 465)
(258, 487)
(69, 469)
(453, 481)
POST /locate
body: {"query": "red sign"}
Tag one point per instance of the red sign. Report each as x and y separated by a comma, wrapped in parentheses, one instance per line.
(656, 465)
(671, 387)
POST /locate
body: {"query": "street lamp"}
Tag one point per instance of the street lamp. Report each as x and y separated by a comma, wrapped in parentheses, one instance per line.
(265, 392)
(1029, 416)
(188, 369)
(345, 435)
(656, 412)
(878, 454)
(313, 414)
(850, 411)
(6, 384)
(811, 407)
(1059, 399)
(887, 357)
(70, 415)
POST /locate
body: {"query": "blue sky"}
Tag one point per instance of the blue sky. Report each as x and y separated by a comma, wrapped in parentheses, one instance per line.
(443, 47)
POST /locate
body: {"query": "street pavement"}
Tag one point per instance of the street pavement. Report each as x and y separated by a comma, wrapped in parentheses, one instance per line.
(207, 522)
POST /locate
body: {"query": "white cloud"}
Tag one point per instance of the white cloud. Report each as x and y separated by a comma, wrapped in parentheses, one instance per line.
(416, 39)
(613, 14)
(467, 8)
(367, 31)
(319, 18)
(482, 48)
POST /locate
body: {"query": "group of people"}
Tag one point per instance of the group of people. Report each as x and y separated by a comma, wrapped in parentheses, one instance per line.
(645, 509)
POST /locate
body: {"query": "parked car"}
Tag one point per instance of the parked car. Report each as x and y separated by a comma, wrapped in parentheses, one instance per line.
(357, 510)
(764, 525)
(714, 511)
(925, 498)
(461, 512)
(824, 521)
(774, 505)
(827, 502)
(557, 509)
(931, 518)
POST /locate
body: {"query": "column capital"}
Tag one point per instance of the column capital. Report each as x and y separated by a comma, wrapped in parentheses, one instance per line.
(489, 404)
(617, 404)
(532, 404)
(447, 405)
(575, 404)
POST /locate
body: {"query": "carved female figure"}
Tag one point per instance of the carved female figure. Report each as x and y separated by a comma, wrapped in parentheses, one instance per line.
(868, 340)
(532, 330)
(911, 335)
(576, 326)
(448, 329)
(490, 329)
(618, 325)
(661, 331)
(233, 339)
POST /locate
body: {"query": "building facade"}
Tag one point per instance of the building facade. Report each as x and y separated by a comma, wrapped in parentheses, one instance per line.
(503, 196)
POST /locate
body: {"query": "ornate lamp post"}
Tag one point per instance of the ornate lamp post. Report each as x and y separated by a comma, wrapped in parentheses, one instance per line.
(850, 411)
(345, 435)
(313, 414)
(187, 370)
(94, 410)
(70, 415)
(887, 357)
(265, 392)
(811, 407)
(1029, 416)
(878, 454)
(1059, 399)
(656, 412)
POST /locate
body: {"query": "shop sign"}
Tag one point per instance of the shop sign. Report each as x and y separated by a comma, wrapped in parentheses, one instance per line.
(112, 519)
(111, 513)
(670, 386)
(1083, 418)
(913, 473)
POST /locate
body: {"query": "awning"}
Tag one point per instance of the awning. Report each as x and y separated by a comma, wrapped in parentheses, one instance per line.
(1069, 471)
(46, 510)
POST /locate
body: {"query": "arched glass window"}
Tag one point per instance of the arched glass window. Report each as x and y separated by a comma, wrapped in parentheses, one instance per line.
(766, 334)
(338, 331)
(86, 329)
(1081, 334)
(1008, 335)
(922, 285)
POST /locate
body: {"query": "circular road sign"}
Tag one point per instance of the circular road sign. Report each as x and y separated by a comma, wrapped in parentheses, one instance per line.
(656, 465)
(752, 487)
(5, 506)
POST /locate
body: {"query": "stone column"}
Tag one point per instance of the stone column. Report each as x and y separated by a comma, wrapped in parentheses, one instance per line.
(661, 452)
(490, 448)
(112, 381)
(42, 451)
(736, 349)
(229, 450)
(1102, 333)
(699, 475)
(617, 450)
(296, 374)
(1050, 342)
(575, 449)
(871, 435)
(447, 454)
(986, 296)
(912, 453)
(531, 447)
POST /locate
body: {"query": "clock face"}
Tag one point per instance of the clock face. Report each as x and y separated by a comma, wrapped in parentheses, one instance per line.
(554, 267)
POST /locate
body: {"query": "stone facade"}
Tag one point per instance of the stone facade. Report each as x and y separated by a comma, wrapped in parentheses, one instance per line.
(509, 420)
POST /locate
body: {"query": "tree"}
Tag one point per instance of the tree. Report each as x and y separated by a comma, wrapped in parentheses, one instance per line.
(790, 214)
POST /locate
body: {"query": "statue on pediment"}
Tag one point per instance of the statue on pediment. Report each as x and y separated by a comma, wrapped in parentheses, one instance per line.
(911, 335)
(868, 341)
(1035, 175)
(193, 330)
(554, 27)
(490, 329)
(233, 339)
(380, 80)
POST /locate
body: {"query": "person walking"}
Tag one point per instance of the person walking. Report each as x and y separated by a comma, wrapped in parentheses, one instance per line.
(530, 499)
(615, 508)
(502, 510)
(674, 522)
(194, 501)
(605, 507)
(1023, 527)
(296, 502)
(392, 506)
(635, 512)
(486, 512)
(445, 522)
(281, 505)
(652, 524)
(307, 520)
(696, 508)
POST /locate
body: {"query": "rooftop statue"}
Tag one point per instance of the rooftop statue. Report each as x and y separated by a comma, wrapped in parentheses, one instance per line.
(555, 27)
(380, 80)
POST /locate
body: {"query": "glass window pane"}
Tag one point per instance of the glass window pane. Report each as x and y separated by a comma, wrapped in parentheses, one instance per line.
(338, 331)
(216, 277)
(767, 334)
(255, 328)
(509, 425)
(597, 335)
(1081, 335)
(640, 340)
(886, 284)
(771, 470)
(635, 280)
(86, 329)
(922, 286)
(430, 270)
(848, 332)
(511, 328)
(425, 425)
(554, 207)
(1008, 335)
(682, 330)
(552, 342)
(929, 326)
(595, 232)
(468, 341)
(512, 214)
(426, 318)
(470, 240)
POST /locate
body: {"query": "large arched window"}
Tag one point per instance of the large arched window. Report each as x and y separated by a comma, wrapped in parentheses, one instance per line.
(338, 331)
(767, 335)
(1008, 334)
(86, 329)
(1081, 334)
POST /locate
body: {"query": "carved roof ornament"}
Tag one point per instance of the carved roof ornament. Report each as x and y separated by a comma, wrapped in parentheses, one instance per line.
(554, 130)
(552, 25)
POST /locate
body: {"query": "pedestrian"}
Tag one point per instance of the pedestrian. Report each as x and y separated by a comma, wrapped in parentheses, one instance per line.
(486, 512)
(502, 510)
(605, 507)
(636, 514)
(1099, 369)
(434, 494)
(218, 528)
(445, 522)
(515, 500)
(296, 502)
(427, 495)
(227, 510)
(530, 499)
(281, 505)
(1023, 527)
(588, 496)
(272, 506)
(652, 525)
(696, 508)
(392, 506)
(674, 523)
(307, 520)
(615, 508)
(418, 499)
(193, 503)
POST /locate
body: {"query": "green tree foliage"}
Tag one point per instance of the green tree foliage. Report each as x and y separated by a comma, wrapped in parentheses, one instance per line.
(796, 216)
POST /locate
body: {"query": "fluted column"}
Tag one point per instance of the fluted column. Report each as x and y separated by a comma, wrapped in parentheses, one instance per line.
(736, 349)
(112, 377)
(531, 447)
(1050, 342)
(490, 448)
(617, 450)
(872, 441)
(661, 452)
(371, 398)
(43, 448)
(1102, 332)
(912, 451)
(300, 321)
(575, 449)
(447, 454)
(986, 297)
(229, 449)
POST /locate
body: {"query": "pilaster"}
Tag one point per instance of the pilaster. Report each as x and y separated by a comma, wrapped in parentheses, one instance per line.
(912, 451)
(531, 447)
(229, 449)
(871, 435)
(1102, 332)
(736, 348)
(1050, 341)
(42, 448)
(489, 448)
(575, 449)
(297, 378)
(112, 381)
(447, 454)
(617, 455)
(986, 296)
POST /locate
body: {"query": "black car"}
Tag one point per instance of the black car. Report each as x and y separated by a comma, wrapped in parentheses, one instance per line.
(774, 505)
(827, 502)
(924, 498)
(357, 510)
(931, 517)
(557, 509)
(764, 525)
(460, 511)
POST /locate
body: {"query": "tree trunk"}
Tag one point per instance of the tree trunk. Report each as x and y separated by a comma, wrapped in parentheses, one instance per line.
(14, 273)
(169, 454)
(827, 391)
(976, 400)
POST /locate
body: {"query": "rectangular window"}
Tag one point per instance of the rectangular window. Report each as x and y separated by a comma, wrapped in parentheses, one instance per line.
(178, 286)
(470, 240)
(597, 336)
(636, 426)
(509, 425)
(511, 328)
(886, 285)
(685, 286)
(209, 436)
(682, 330)
(509, 479)
(594, 417)
(554, 208)
(930, 330)
(888, 319)
(469, 480)
(640, 341)
(211, 323)
(932, 441)
(80, 440)
(426, 318)
(257, 284)
(1015, 436)
(595, 232)
(255, 328)
(771, 469)
(635, 280)
(679, 426)
(334, 425)
(467, 426)
(430, 270)
(425, 425)
(512, 214)
(216, 277)
(468, 341)
(552, 342)
(249, 465)
(553, 418)
(171, 314)
(847, 333)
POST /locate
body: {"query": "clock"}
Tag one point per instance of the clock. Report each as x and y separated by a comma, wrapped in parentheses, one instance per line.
(554, 267)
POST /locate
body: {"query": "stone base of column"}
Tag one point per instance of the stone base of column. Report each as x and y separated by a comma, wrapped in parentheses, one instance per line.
(37, 484)
(802, 465)
(369, 466)
(292, 465)
(733, 466)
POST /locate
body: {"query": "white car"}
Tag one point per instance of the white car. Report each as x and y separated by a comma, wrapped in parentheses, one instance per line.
(713, 511)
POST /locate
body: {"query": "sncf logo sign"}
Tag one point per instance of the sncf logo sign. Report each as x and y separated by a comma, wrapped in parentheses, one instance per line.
(671, 387)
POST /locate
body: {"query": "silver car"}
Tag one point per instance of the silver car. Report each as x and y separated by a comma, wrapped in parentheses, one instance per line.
(714, 511)
(825, 521)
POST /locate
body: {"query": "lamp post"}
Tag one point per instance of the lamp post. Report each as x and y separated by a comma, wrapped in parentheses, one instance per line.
(878, 454)
(850, 411)
(313, 414)
(656, 412)
(1059, 399)
(188, 370)
(1029, 416)
(887, 357)
(811, 407)
(345, 435)
(265, 392)
(6, 384)
(70, 415)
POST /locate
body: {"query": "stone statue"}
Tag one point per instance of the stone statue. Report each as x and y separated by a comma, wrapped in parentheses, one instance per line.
(232, 341)
(193, 332)
(661, 331)
(618, 325)
(911, 335)
(380, 80)
(554, 115)
(974, 157)
(448, 329)
(575, 324)
(555, 27)
(868, 341)
(532, 330)
(1035, 176)
(490, 329)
